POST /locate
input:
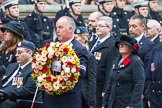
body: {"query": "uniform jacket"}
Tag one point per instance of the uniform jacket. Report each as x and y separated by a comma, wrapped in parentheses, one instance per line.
(7, 58)
(26, 33)
(156, 16)
(65, 12)
(89, 82)
(156, 40)
(40, 29)
(28, 87)
(120, 21)
(155, 87)
(73, 98)
(144, 52)
(105, 53)
(126, 84)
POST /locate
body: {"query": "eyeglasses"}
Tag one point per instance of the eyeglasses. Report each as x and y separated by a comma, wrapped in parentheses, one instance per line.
(101, 26)
(19, 52)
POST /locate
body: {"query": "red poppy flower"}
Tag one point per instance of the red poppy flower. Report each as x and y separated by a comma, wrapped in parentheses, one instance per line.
(126, 61)
(135, 46)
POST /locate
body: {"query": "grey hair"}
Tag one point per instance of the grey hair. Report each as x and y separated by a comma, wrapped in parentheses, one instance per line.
(70, 22)
(141, 19)
(155, 23)
(108, 20)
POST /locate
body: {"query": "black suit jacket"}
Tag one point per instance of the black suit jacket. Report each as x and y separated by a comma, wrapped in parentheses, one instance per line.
(26, 91)
(73, 98)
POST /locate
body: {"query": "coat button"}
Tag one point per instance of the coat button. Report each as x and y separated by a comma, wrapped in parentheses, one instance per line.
(118, 84)
(153, 82)
(159, 82)
(159, 91)
(153, 91)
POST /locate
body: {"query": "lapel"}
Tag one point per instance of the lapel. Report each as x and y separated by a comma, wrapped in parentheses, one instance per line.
(10, 72)
(121, 66)
(104, 44)
(156, 40)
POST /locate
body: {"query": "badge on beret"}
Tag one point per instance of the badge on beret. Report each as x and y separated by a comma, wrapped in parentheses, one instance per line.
(78, 31)
(19, 44)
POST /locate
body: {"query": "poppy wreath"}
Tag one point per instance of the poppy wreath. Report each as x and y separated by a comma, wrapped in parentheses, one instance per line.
(52, 59)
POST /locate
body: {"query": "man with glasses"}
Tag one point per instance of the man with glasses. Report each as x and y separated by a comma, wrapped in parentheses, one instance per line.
(105, 52)
(17, 82)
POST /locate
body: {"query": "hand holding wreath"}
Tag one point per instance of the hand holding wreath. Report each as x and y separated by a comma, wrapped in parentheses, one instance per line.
(52, 59)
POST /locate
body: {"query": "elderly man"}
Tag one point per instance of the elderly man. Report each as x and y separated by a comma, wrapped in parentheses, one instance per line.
(72, 99)
(105, 52)
(17, 82)
(153, 29)
(155, 87)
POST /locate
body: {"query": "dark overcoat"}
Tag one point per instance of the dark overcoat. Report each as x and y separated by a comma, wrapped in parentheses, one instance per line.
(105, 53)
(73, 98)
(89, 82)
(155, 87)
(126, 84)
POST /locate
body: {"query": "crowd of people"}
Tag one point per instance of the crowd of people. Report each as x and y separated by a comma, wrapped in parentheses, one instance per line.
(120, 54)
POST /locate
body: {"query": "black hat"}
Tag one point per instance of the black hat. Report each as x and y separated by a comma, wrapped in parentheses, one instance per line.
(80, 30)
(15, 27)
(3, 21)
(130, 41)
(26, 44)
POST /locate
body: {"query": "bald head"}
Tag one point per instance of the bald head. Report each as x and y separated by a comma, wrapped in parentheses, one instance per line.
(92, 20)
(153, 28)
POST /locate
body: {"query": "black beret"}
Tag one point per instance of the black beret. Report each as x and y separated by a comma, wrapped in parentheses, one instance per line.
(27, 45)
(80, 30)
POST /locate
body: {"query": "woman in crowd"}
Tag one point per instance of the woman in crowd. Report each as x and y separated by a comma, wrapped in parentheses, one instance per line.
(12, 34)
(127, 77)
(89, 82)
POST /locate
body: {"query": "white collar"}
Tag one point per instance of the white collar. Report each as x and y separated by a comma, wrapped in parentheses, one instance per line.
(139, 37)
(23, 66)
(69, 41)
(154, 38)
(103, 39)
